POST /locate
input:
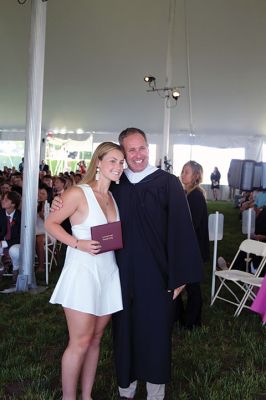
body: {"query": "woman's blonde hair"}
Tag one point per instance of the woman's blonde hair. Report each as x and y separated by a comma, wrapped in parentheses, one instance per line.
(98, 154)
(197, 175)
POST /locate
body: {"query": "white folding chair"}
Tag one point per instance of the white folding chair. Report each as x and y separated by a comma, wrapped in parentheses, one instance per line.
(233, 282)
(50, 246)
(252, 285)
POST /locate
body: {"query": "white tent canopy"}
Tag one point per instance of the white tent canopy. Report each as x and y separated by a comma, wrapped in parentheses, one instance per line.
(98, 51)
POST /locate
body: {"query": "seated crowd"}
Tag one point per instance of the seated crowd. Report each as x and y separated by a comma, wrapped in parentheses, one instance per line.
(255, 200)
(11, 183)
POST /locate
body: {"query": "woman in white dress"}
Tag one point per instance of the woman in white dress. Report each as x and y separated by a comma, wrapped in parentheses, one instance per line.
(89, 286)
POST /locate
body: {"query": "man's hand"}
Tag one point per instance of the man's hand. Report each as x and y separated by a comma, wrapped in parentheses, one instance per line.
(56, 204)
(177, 291)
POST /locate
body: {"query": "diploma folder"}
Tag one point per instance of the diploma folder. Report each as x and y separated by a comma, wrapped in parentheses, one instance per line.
(109, 235)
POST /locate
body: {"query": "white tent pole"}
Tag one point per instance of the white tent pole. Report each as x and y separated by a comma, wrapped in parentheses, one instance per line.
(168, 80)
(191, 127)
(32, 140)
(215, 245)
(249, 222)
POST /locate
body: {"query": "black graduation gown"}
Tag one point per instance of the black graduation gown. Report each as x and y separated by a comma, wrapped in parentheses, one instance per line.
(199, 214)
(160, 252)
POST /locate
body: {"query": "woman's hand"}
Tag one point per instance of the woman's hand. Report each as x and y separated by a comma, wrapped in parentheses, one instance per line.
(89, 246)
(57, 203)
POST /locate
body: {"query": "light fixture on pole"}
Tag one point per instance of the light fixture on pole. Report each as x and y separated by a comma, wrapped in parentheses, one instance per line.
(22, 2)
(149, 79)
(175, 93)
(170, 94)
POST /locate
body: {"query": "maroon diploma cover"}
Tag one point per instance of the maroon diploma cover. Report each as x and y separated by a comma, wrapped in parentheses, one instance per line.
(109, 236)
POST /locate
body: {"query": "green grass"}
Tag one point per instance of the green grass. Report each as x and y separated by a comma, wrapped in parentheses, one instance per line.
(225, 359)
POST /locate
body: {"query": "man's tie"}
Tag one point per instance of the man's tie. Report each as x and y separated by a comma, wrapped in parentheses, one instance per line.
(8, 228)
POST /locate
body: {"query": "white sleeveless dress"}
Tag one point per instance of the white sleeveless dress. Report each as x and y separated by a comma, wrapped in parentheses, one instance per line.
(89, 284)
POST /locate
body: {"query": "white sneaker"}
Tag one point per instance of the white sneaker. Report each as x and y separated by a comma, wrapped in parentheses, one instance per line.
(221, 263)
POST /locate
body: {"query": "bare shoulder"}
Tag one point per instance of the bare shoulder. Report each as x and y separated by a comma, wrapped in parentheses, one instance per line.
(73, 193)
(74, 202)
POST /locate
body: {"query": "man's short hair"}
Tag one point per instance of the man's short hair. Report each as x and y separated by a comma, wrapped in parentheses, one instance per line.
(61, 179)
(17, 174)
(14, 197)
(130, 131)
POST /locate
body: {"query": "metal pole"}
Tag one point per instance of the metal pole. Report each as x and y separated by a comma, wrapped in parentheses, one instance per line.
(191, 127)
(166, 132)
(168, 81)
(32, 143)
(249, 233)
(249, 222)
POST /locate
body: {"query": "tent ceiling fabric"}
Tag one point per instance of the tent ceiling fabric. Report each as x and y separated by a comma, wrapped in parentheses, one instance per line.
(98, 51)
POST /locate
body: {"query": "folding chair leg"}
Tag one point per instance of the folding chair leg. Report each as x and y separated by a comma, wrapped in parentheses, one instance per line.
(228, 288)
(243, 301)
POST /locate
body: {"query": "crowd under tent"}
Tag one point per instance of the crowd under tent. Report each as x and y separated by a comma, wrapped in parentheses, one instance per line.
(76, 69)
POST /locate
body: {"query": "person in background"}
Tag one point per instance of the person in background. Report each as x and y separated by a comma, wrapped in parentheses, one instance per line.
(69, 181)
(260, 201)
(21, 166)
(77, 178)
(43, 166)
(6, 172)
(215, 183)
(59, 185)
(48, 181)
(43, 194)
(246, 201)
(191, 177)
(17, 182)
(10, 225)
(5, 187)
(82, 167)
(89, 285)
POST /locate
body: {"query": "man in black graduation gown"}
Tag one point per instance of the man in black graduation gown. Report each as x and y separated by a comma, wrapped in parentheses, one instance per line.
(159, 257)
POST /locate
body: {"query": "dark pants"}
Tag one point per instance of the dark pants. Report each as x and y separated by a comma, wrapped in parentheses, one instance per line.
(189, 315)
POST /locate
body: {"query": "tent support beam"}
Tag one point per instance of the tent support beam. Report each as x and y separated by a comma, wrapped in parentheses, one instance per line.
(26, 279)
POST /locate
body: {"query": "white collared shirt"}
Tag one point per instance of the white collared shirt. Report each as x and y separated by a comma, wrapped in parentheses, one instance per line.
(135, 177)
(11, 216)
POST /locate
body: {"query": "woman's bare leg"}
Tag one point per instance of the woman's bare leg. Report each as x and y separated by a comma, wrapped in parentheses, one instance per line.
(92, 356)
(81, 327)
